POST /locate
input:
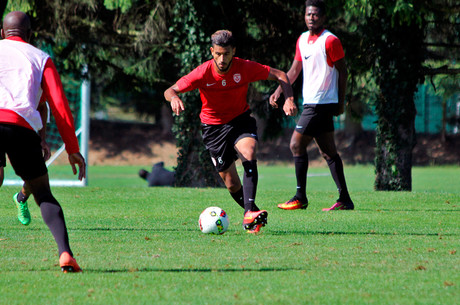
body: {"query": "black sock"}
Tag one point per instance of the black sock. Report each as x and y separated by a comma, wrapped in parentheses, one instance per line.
(336, 167)
(21, 197)
(54, 218)
(238, 197)
(301, 169)
(250, 179)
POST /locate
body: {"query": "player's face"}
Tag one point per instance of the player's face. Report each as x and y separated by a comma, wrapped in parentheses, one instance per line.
(222, 57)
(314, 19)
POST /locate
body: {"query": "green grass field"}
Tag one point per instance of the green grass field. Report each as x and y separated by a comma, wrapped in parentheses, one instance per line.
(140, 245)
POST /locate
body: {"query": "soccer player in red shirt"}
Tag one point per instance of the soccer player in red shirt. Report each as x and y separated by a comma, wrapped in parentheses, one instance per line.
(320, 55)
(229, 130)
(26, 72)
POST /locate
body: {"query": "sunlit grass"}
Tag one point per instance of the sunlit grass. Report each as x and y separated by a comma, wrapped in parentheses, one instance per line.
(140, 245)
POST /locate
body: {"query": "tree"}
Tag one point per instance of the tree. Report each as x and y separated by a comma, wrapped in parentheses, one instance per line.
(393, 35)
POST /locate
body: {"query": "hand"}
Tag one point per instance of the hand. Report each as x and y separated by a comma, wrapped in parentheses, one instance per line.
(273, 98)
(177, 105)
(46, 150)
(290, 107)
(77, 158)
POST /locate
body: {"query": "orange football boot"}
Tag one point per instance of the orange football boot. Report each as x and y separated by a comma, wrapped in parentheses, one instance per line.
(252, 218)
(294, 204)
(68, 263)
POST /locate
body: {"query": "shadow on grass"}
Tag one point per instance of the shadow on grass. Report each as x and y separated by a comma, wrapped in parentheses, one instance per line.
(297, 232)
(265, 232)
(197, 270)
(407, 210)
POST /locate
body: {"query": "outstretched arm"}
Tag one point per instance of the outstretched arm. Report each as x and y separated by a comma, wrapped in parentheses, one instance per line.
(289, 107)
(171, 95)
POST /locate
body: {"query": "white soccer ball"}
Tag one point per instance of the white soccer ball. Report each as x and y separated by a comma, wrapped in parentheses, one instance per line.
(213, 220)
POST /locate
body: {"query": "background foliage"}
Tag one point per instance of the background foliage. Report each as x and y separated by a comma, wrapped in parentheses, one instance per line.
(136, 49)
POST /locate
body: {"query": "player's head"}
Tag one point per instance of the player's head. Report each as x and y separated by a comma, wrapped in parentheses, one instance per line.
(223, 38)
(315, 15)
(222, 50)
(16, 24)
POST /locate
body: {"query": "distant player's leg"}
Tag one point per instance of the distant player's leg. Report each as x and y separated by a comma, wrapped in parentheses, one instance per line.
(326, 144)
(298, 145)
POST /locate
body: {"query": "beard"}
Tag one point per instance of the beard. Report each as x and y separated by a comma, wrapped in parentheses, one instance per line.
(226, 69)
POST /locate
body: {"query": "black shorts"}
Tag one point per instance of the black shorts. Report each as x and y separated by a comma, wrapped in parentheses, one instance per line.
(22, 145)
(2, 160)
(220, 140)
(316, 119)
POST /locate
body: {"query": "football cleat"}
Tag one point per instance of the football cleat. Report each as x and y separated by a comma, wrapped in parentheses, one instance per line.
(68, 263)
(252, 218)
(255, 229)
(341, 205)
(23, 210)
(294, 204)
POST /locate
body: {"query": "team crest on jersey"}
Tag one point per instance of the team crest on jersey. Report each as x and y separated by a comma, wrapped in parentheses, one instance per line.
(237, 77)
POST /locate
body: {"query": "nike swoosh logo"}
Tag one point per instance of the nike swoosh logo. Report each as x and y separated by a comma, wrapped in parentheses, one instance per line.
(209, 85)
(306, 57)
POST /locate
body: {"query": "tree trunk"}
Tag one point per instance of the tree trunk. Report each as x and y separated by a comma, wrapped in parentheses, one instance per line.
(398, 70)
(395, 140)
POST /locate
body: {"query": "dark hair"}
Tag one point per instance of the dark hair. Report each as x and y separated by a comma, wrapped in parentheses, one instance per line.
(223, 38)
(320, 4)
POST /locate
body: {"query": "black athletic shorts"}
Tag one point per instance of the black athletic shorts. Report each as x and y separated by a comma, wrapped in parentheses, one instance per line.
(316, 119)
(220, 139)
(22, 145)
(2, 160)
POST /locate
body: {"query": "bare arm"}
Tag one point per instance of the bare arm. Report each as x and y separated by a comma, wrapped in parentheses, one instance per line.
(292, 74)
(171, 95)
(289, 106)
(341, 67)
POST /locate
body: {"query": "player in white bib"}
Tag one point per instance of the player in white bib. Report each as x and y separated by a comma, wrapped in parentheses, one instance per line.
(319, 54)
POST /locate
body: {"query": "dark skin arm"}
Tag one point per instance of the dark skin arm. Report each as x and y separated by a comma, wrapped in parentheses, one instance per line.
(341, 67)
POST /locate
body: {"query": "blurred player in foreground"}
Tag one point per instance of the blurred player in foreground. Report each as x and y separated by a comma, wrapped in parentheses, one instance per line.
(26, 71)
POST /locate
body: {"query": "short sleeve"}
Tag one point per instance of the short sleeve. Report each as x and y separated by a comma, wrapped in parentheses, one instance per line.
(334, 49)
(297, 56)
(190, 81)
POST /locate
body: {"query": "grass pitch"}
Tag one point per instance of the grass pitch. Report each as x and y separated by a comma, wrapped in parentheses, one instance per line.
(140, 245)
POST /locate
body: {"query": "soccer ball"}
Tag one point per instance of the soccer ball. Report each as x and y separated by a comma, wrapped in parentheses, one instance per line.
(213, 220)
